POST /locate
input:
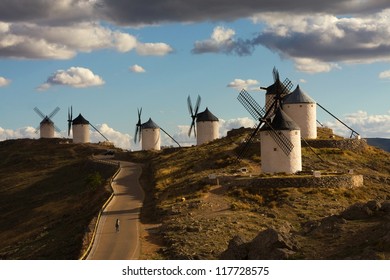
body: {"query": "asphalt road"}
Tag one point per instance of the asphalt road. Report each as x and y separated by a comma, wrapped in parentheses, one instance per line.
(126, 206)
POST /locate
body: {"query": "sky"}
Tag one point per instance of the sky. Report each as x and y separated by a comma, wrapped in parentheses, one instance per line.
(106, 58)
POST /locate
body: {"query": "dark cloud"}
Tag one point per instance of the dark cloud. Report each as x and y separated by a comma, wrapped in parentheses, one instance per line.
(139, 12)
(152, 12)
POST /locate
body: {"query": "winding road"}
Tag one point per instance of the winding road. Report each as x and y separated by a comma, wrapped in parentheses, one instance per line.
(126, 206)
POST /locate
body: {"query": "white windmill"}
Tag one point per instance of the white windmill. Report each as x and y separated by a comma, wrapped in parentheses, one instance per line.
(280, 142)
(303, 110)
(207, 125)
(80, 128)
(149, 134)
(46, 126)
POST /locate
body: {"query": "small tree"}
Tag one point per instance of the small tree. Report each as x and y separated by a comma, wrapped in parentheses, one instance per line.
(93, 181)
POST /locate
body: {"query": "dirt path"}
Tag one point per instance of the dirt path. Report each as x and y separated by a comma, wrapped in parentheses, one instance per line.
(126, 206)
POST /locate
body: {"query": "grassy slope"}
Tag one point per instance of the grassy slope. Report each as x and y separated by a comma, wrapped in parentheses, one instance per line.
(46, 203)
(201, 226)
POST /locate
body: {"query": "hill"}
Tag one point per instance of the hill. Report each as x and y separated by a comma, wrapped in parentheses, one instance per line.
(49, 193)
(197, 217)
(382, 143)
(201, 203)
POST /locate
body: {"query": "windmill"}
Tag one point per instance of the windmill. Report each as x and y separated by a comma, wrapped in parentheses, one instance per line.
(280, 140)
(80, 128)
(46, 126)
(193, 114)
(207, 125)
(149, 134)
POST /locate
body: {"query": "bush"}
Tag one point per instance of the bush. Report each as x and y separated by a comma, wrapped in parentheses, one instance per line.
(93, 181)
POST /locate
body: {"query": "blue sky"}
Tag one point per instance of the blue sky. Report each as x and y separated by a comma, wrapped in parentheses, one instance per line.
(108, 58)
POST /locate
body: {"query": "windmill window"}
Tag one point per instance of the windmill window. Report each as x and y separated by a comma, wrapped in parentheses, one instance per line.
(275, 149)
(300, 106)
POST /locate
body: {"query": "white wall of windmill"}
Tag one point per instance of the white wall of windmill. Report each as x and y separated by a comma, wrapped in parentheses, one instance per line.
(274, 160)
(206, 131)
(305, 115)
(151, 139)
(81, 133)
(46, 130)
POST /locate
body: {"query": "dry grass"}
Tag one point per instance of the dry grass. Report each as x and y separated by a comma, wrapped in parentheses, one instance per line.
(201, 226)
(46, 203)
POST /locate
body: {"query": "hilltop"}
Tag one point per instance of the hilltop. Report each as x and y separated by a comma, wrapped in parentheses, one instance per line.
(191, 215)
(201, 203)
(49, 193)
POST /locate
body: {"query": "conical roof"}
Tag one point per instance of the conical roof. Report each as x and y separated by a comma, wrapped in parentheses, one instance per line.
(149, 124)
(206, 116)
(281, 121)
(298, 96)
(47, 120)
(80, 120)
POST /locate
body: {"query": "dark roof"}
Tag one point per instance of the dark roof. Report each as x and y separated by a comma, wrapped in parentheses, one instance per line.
(281, 121)
(206, 116)
(297, 96)
(80, 120)
(149, 124)
(46, 120)
(274, 87)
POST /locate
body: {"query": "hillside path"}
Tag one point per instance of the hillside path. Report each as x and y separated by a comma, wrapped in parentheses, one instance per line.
(126, 206)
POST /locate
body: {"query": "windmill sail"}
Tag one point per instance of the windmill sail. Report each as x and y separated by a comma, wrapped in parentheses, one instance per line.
(193, 113)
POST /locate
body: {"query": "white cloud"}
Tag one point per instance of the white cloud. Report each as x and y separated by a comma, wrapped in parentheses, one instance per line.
(155, 49)
(137, 69)
(384, 75)
(34, 41)
(120, 140)
(222, 41)
(366, 125)
(225, 126)
(243, 84)
(77, 77)
(319, 42)
(310, 65)
(25, 132)
(4, 82)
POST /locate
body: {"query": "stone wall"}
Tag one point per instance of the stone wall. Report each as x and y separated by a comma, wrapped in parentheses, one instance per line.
(324, 181)
(356, 145)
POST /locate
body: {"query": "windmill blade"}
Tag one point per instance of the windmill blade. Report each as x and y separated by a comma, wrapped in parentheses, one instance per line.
(39, 112)
(137, 134)
(193, 114)
(286, 88)
(197, 105)
(275, 73)
(99, 132)
(170, 136)
(55, 111)
(251, 105)
(192, 127)
(138, 127)
(190, 110)
(57, 129)
(70, 119)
